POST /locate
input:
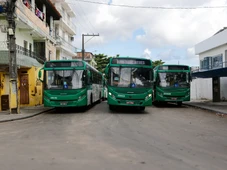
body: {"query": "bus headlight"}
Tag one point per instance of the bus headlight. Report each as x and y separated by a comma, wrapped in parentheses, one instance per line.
(82, 96)
(112, 95)
(148, 96)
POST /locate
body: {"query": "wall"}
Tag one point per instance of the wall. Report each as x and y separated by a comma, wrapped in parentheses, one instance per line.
(223, 85)
(213, 52)
(31, 19)
(201, 89)
(35, 97)
(52, 48)
(3, 36)
(212, 42)
(4, 89)
(21, 36)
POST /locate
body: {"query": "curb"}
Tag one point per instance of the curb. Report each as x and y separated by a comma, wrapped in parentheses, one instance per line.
(24, 117)
(205, 108)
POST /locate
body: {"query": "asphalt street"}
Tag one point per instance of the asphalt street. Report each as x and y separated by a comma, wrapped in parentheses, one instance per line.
(168, 137)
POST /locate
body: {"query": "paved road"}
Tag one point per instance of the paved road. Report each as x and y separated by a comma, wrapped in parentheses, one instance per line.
(161, 138)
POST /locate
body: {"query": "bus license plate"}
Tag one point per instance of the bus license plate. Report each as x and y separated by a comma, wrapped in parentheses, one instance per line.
(129, 102)
(174, 98)
(63, 103)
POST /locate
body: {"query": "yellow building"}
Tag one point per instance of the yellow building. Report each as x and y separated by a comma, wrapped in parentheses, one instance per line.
(35, 43)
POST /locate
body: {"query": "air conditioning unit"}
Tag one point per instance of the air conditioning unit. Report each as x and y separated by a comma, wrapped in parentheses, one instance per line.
(72, 38)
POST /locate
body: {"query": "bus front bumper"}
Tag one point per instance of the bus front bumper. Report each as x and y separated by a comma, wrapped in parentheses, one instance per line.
(129, 102)
(69, 103)
(172, 98)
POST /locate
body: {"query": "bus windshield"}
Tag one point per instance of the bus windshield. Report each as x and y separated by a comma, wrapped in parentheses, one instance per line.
(130, 77)
(64, 79)
(174, 79)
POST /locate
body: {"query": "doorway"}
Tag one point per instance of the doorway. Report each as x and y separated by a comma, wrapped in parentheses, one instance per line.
(216, 89)
(24, 89)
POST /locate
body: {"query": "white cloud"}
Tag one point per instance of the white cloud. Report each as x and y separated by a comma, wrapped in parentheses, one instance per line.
(191, 53)
(146, 54)
(163, 28)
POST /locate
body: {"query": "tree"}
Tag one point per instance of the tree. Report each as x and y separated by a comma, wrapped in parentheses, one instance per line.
(157, 63)
(101, 60)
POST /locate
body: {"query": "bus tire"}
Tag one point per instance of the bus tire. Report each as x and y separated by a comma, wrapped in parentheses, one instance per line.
(111, 107)
(179, 103)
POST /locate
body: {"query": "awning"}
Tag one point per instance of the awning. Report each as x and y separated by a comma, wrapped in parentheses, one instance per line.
(220, 72)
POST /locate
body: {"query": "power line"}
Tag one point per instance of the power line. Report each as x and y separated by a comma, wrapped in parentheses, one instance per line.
(82, 17)
(85, 19)
(150, 7)
(92, 27)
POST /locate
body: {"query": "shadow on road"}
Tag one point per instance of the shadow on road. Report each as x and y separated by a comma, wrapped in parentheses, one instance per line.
(70, 110)
(168, 105)
(128, 110)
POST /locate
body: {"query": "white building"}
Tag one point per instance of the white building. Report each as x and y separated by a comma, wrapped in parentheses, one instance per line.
(213, 61)
(64, 30)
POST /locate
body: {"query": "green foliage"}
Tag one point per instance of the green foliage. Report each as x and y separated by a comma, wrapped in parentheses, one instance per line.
(157, 63)
(102, 60)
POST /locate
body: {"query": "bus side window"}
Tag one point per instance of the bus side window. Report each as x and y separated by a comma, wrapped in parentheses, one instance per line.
(83, 79)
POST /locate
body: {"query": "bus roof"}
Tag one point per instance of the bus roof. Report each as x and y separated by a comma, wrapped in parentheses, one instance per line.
(172, 67)
(62, 64)
(127, 61)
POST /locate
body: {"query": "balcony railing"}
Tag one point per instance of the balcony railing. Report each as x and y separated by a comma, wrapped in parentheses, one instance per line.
(70, 24)
(213, 66)
(67, 45)
(38, 18)
(28, 53)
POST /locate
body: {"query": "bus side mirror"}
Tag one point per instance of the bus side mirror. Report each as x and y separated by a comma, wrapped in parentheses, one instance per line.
(40, 75)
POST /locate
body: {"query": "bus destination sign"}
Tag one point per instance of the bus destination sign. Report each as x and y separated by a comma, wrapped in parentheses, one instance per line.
(173, 67)
(50, 64)
(130, 61)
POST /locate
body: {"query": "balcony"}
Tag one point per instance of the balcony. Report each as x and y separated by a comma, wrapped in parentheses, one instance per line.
(25, 58)
(66, 25)
(67, 46)
(31, 18)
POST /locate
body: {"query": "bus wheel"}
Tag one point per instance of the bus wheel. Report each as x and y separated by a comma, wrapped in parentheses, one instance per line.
(111, 107)
(179, 103)
(142, 108)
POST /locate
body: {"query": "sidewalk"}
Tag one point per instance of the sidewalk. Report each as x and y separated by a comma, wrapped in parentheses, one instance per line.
(218, 107)
(25, 112)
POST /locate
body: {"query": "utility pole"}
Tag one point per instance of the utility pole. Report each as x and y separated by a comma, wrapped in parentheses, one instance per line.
(13, 96)
(83, 35)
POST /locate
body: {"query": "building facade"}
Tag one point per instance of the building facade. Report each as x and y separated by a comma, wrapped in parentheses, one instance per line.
(88, 57)
(35, 43)
(213, 60)
(64, 31)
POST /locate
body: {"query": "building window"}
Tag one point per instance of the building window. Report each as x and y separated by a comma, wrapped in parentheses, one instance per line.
(30, 49)
(217, 61)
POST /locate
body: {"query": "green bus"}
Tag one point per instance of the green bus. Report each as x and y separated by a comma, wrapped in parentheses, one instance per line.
(70, 83)
(129, 82)
(172, 83)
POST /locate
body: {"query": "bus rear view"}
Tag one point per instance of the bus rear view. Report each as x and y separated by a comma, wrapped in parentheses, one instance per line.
(129, 82)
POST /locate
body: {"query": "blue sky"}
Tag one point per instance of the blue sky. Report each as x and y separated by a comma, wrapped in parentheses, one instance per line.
(169, 35)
